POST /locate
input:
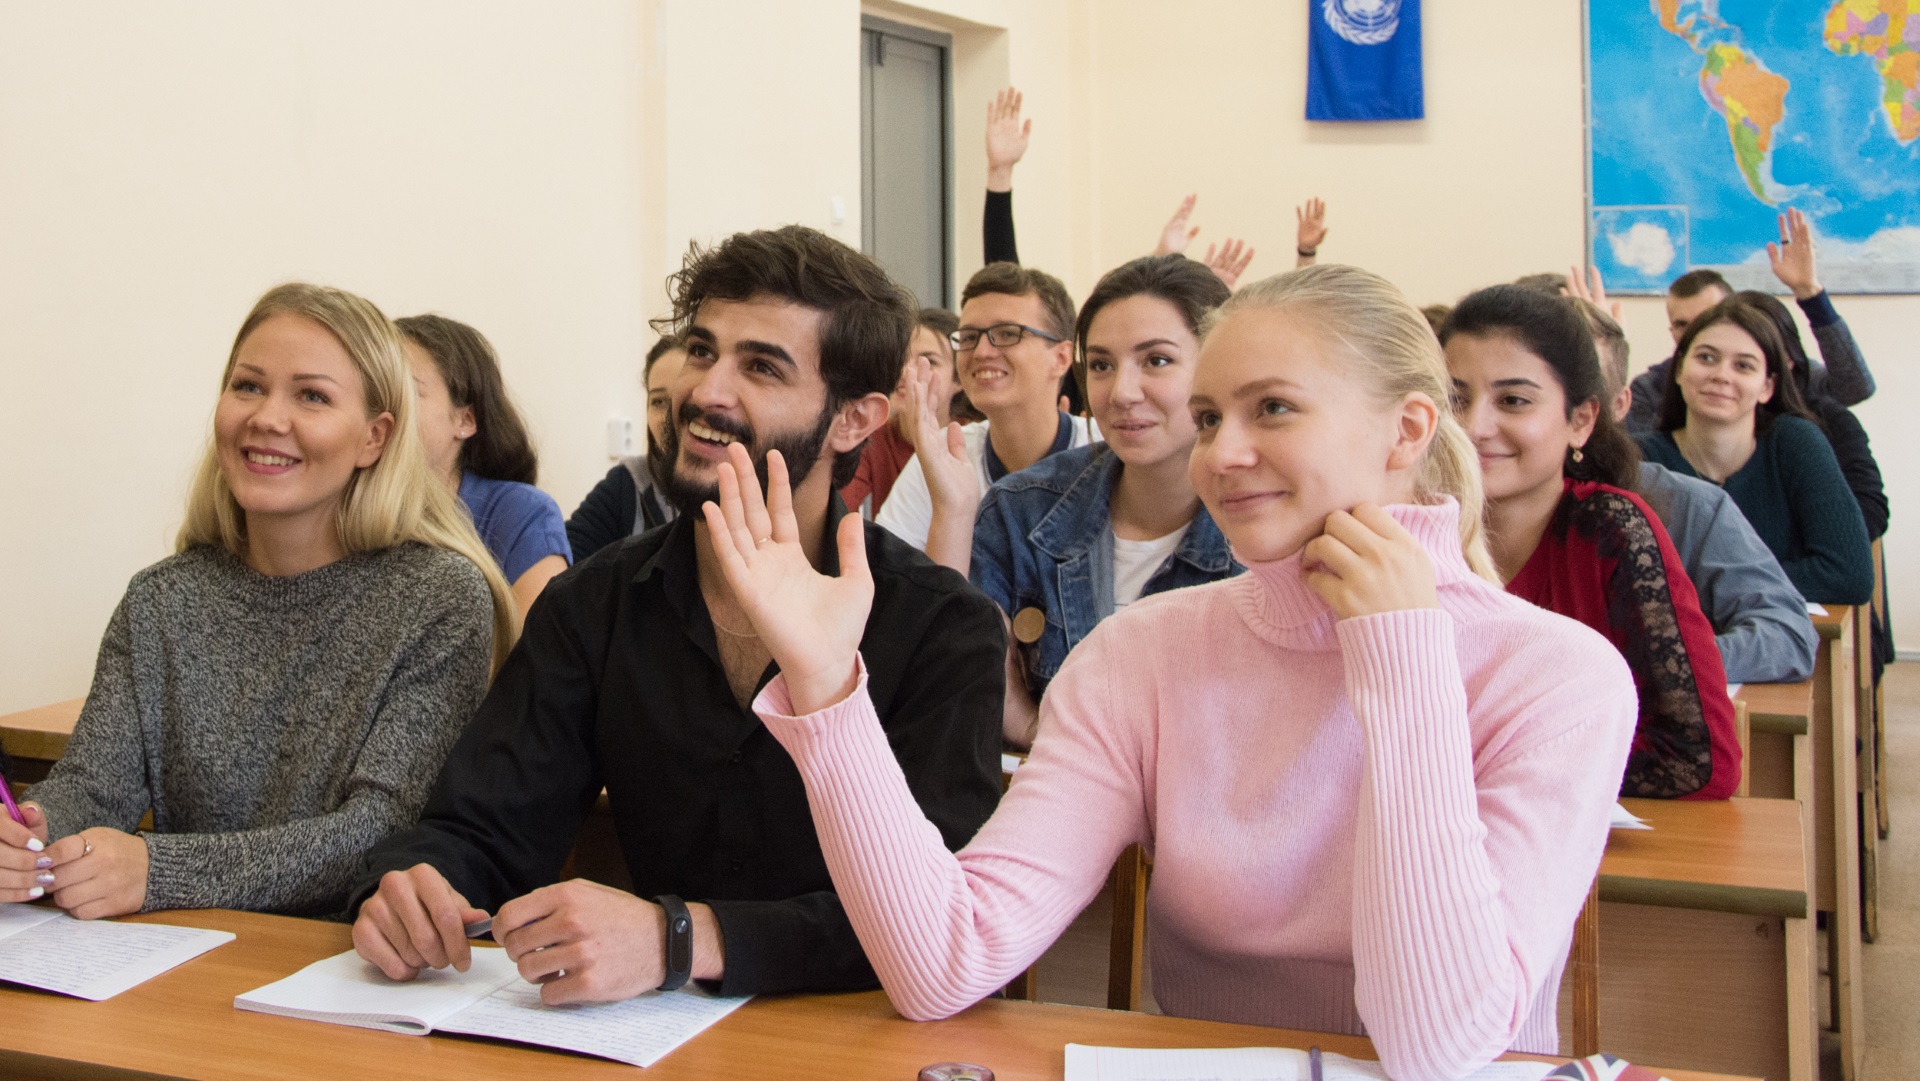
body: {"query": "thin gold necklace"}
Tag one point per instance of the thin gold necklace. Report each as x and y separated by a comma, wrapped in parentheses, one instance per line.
(729, 631)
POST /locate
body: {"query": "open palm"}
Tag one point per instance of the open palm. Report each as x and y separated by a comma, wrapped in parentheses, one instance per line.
(812, 623)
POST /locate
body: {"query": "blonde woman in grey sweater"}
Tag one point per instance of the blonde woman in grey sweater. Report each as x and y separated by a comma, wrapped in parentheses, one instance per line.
(281, 691)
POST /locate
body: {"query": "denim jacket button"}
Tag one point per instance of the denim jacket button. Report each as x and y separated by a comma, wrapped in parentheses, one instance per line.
(1028, 625)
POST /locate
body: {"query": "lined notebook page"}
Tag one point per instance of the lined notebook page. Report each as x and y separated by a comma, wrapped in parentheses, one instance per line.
(1086, 1063)
(346, 990)
(92, 959)
(639, 1031)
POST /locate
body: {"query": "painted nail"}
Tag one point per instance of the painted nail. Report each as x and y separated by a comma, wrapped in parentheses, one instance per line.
(43, 862)
(36, 893)
(34, 845)
(45, 878)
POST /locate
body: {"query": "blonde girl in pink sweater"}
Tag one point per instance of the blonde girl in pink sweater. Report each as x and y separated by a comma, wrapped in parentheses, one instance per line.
(1375, 786)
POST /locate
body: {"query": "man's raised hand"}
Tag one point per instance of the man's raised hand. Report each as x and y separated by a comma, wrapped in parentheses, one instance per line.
(1006, 138)
(1792, 258)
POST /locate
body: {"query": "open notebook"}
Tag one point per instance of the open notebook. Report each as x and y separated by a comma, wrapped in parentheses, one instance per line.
(92, 959)
(489, 999)
(1086, 1063)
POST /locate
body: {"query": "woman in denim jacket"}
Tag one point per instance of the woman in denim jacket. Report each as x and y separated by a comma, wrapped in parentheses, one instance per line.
(1067, 542)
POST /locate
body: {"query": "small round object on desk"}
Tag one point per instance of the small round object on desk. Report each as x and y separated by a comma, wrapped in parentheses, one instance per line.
(1028, 623)
(956, 1071)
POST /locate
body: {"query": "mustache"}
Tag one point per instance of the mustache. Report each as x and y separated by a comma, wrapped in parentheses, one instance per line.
(719, 422)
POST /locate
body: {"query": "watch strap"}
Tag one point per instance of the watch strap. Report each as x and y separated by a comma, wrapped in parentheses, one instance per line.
(679, 944)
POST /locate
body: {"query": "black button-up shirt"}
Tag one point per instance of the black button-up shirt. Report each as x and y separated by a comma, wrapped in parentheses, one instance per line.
(617, 682)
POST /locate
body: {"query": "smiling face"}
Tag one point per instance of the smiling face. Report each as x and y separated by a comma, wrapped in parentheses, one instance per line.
(1724, 375)
(752, 375)
(933, 347)
(1024, 374)
(1514, 409)
(444, 429)
(1140, 362)
(291, 426)
(1288, 435)
(1682, 311)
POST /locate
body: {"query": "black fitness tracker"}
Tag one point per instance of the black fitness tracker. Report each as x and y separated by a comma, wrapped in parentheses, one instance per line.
(679, 948)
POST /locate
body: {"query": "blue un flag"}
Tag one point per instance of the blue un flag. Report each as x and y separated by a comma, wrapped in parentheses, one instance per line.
(1363, 60)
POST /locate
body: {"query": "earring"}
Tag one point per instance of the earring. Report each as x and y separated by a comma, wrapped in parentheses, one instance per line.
(1578, 456)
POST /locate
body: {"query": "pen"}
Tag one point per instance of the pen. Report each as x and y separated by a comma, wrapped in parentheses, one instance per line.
(478, 928)
(6, 796)
(1313, 1064)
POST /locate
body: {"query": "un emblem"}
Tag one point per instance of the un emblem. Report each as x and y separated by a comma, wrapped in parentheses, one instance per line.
(1363, 22)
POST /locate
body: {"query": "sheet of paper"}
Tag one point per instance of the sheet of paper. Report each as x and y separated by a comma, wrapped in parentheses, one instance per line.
(16, 918)
(639, 1031)
(1086, 1063)
(97, 960)
(1816, 609)
(1009, 762)
(345, 990)
(1733, 689)
(1624, 819)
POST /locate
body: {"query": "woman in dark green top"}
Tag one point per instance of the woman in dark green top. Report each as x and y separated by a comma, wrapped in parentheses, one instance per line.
(1733, 415)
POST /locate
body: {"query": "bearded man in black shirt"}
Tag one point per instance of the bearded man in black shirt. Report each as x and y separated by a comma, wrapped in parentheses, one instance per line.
(637, 670)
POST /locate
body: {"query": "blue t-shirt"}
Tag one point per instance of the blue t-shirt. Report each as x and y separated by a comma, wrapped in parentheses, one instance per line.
(520, 524)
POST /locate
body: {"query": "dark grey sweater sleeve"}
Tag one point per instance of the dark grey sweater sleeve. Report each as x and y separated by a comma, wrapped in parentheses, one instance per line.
(101, 779)
(1845, 377)
(308, 864)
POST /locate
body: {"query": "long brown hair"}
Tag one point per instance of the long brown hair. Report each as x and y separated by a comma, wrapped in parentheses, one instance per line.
(499, 448)
(1786, 400)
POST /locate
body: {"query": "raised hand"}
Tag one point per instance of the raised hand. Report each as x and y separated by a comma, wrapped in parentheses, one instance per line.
(1593, 288)
(1792, 258)
(811, 623)
(1230, 261)
(1006, 138)
(1311, 220)
(953, 482)
(1177, 234)
(1366, 563)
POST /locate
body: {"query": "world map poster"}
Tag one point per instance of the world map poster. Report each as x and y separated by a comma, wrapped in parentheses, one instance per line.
(1709, 118)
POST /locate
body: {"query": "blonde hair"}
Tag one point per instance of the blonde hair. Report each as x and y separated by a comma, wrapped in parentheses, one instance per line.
(1389, 344)
(394, 500)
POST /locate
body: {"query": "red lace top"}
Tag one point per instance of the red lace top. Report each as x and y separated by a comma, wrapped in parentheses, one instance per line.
(1606, 561)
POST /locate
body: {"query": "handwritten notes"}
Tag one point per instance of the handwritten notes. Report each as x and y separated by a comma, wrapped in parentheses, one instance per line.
(95, 960)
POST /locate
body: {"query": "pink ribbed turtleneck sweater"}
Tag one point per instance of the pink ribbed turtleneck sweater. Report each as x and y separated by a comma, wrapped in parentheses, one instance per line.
(1382, 825)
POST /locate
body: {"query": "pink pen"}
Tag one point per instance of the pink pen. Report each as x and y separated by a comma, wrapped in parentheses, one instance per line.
(6, 796)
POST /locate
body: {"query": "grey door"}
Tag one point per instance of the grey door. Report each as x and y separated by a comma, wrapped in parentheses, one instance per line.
(905, 155)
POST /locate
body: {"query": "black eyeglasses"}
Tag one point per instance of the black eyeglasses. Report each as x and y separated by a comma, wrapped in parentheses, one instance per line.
(999, 335)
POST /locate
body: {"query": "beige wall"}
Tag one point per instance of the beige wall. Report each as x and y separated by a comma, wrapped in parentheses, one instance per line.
(537, 169)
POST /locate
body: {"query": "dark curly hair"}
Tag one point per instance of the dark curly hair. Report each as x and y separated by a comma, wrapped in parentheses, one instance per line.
(869, 317)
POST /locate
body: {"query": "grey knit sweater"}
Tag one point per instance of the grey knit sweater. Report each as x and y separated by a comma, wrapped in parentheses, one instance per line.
(277, 727)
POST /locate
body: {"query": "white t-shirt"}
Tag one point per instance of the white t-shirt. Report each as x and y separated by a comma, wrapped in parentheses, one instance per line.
(1134, 562)
(908, 511)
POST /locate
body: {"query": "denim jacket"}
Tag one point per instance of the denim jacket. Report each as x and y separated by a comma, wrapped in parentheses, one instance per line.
(1044, 539)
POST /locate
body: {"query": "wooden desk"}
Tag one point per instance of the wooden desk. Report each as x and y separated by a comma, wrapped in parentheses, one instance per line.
(40, 734)
(184, 1025)
(1836, 828)
(1706, 939)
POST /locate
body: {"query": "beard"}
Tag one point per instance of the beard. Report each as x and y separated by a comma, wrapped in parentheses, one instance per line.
(800, 449)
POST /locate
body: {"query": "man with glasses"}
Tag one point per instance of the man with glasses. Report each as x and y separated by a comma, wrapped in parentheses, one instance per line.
(1014, 344)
